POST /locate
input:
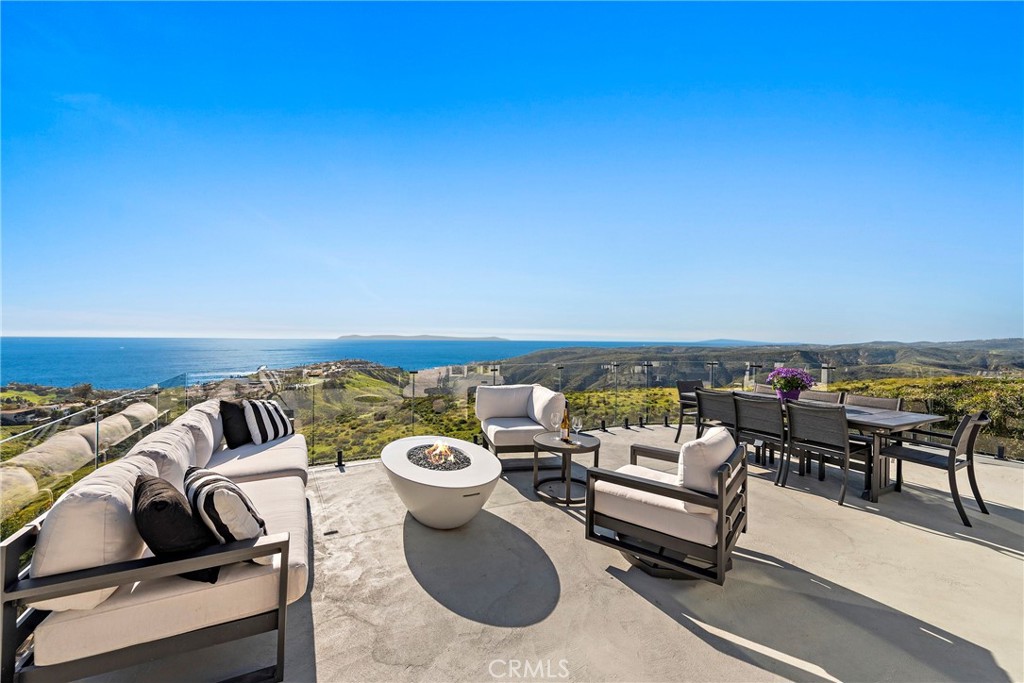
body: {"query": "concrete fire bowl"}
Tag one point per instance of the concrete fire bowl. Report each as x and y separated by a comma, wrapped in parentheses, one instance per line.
(441, 499)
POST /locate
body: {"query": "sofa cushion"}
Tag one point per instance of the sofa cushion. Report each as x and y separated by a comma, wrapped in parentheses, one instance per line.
(222, 506)
(287, 457)
(161, 608)
(91, 525)
(211, 409)
(511, 431)
(236, 429)
(651, 510)
(511, 400)
(546, 407)
(266, 421)
(202, 435)
(166, 523)
(173, 449)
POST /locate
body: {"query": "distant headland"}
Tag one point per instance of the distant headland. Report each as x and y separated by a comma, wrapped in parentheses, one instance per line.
(416, 337)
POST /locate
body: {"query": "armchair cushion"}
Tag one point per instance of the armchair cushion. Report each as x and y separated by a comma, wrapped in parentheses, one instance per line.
(546, 407)
(511, 400)
(652, 511)
(699, 461)
(511, 431)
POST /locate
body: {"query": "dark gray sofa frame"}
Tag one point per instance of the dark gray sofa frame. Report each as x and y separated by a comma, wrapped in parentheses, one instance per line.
(666, 556)
(17, 590)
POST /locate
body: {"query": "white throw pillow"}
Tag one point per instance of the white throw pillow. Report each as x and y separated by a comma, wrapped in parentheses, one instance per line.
(89, 526)
(266, 421)
(224, 508)
(700, 459)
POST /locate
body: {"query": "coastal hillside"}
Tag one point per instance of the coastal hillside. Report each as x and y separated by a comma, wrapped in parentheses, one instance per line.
(589, 368)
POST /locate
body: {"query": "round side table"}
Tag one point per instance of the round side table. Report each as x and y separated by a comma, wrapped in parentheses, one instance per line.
(551, 442)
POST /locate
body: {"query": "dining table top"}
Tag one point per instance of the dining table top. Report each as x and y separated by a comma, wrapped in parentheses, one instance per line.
(862, 417)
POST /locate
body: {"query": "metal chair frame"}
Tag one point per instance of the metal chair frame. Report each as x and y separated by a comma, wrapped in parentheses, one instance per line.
(952, 457)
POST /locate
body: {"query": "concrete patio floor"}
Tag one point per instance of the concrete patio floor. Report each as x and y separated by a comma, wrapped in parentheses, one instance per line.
(898, 591)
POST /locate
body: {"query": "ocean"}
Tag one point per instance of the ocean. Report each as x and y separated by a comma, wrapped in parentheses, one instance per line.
(130, 363)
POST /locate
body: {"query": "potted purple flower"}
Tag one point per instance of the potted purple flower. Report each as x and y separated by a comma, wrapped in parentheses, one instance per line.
(789, 382)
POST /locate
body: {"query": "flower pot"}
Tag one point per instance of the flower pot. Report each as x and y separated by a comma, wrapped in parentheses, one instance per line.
(792, 394)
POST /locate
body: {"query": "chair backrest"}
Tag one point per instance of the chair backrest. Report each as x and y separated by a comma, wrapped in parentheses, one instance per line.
(764, 389)
(759, 416)
(820, 425)
(716, 406)
(873, 402)
(508, 400)
(967, 432)
(686, 386)
(822, 396)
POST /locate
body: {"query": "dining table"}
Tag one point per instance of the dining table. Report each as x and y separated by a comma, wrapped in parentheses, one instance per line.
(880, 423)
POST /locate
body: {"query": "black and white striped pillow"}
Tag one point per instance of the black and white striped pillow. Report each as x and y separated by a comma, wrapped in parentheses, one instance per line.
(223, 507)
(266, 421)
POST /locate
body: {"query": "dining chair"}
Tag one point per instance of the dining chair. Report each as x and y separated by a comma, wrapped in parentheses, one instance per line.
(764, 389)
(822, 396)
(873, 402)
(954, 455)
(686, 386)
(760, 423)
(823, 431)
(715, 408)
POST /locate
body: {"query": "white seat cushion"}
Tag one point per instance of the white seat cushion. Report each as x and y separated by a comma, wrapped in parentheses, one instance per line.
(653, 511)
(511, 431)
(285, 457)
(150, 610)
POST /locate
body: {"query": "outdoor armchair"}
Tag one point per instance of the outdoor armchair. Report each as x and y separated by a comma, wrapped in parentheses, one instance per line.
(673, 525)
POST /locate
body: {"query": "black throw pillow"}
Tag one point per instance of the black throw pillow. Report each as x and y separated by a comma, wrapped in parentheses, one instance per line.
(236, 429)
(166, 523)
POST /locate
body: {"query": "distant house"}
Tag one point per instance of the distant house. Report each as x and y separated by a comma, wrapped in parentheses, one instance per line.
(21, 416)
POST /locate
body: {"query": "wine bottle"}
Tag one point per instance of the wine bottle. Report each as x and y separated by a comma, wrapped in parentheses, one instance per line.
(565, 422)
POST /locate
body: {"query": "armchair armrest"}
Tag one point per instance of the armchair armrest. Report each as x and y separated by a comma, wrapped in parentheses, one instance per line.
(595, 474)
(665, 454)
(107, 576)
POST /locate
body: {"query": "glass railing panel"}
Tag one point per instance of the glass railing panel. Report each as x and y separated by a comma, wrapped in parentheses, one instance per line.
(68, 440)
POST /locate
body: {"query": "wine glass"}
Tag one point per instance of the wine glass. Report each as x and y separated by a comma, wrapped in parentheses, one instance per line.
(577, 424)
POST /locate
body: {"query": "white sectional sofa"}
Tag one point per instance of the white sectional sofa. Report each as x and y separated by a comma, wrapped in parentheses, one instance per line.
(98, 600)
(512, 414)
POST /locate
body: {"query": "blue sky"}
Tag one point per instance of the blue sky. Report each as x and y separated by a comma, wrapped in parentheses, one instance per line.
(779, 172)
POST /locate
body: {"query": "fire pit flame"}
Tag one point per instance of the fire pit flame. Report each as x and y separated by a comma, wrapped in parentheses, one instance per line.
(439, 453)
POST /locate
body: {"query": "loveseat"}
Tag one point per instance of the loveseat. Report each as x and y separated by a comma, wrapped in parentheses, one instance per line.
(512, 414)
(99, 600)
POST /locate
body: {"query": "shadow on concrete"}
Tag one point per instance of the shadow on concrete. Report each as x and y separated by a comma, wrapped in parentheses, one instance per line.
(488, 571)
(800, 626)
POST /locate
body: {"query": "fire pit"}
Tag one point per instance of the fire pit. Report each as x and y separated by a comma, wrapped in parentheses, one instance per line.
(442, 482)
(440, 456)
